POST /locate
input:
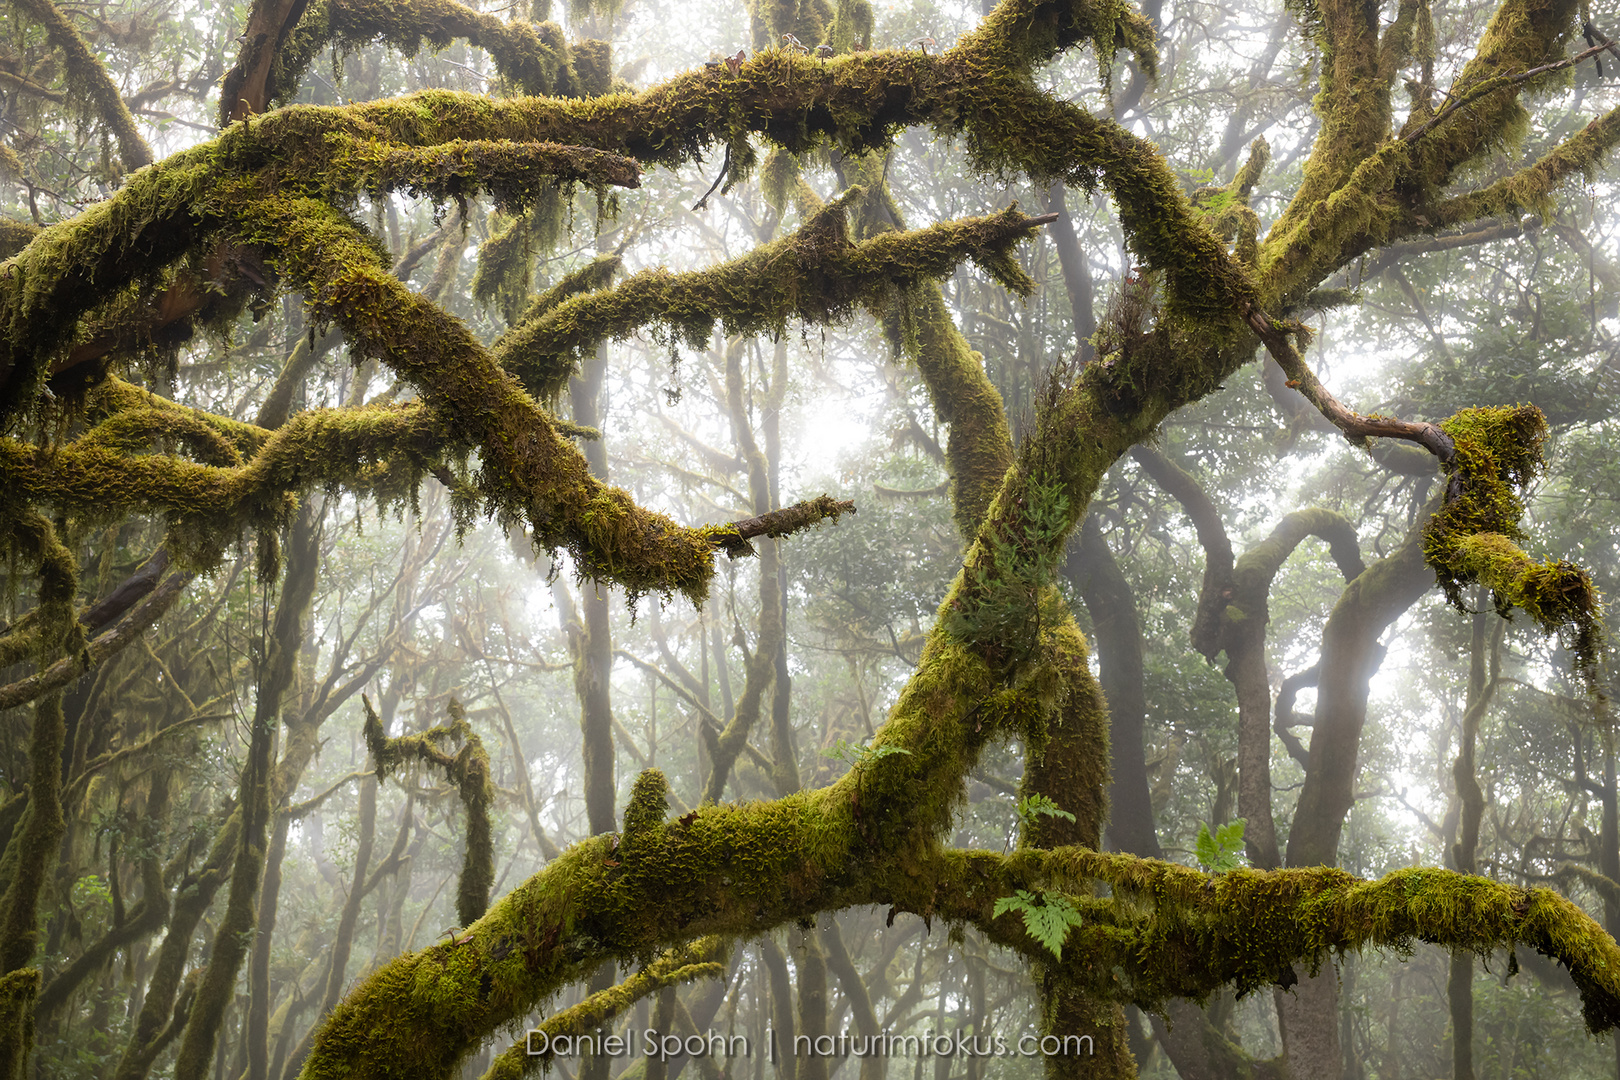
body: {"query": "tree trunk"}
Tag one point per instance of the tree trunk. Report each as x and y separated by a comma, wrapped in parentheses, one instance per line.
(235, 932)
(1308, 1013)
(1117, 634)
(1471, 800)
(593, 659)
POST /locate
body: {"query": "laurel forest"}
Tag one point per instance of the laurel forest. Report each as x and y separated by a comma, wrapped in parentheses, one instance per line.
(1056, 538)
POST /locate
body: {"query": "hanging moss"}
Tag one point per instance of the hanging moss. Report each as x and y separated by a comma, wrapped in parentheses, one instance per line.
(1475, 537)
(512, 174)
(593, 67)
(88, 80)
(468, 770)
(382, 451)
(506, 259)
(172, 210)
(594, 275)
(814, 274)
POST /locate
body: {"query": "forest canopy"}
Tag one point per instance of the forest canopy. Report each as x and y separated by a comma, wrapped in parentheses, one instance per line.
(528, 526)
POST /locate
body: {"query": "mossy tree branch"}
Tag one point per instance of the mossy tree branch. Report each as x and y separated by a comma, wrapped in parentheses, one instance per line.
(468, 769)
(87, 76)
(702, 959)
(178, 209)
(815, 274)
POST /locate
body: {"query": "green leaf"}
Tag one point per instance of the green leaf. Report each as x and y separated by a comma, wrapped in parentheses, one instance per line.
(1017, 902)
(1222, 852)
(1035, 805)
(858, 755)
(1047, 921)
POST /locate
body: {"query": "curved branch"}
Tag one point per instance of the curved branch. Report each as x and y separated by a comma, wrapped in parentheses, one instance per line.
(1206, 518)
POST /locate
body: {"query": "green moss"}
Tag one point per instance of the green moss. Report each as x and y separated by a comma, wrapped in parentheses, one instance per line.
(14, 236)
(1170, 931)
(506, 259)
(814, 274)
(851, 27)
(1475, 536)
(594, 275)
(88, 80)
(593, 67)
(699, 960)
(18, 991)
(527, 56)
(32, 853)
(978, 450)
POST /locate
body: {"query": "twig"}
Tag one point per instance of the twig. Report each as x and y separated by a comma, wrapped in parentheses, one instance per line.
(779, 523)
(120, 634)
(725, 167)
(1356, 427)
(1502, 82)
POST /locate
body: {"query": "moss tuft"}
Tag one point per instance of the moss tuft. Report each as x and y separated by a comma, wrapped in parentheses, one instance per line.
(1475, 536)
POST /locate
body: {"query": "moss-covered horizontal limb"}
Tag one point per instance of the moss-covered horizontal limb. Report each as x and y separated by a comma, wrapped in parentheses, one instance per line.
(378, 450)
(815, 274)
(856, 101)
(1170, 931)
(534, 59)
(513, 174)
(703, 959)
(1166, 931)
(779, 523)
(176, 209)
(1192, 933)
(527, 469)
(1531, 188)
